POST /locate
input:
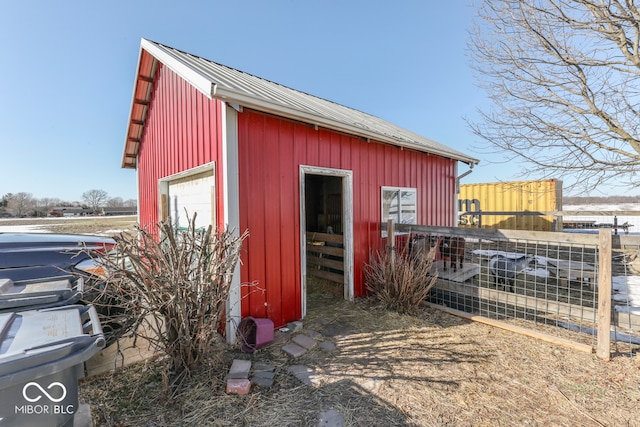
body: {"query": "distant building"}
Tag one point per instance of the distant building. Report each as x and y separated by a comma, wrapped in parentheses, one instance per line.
(123, 210)
(69, 211)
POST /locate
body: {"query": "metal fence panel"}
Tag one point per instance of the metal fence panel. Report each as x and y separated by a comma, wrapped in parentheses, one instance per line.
(541, 281)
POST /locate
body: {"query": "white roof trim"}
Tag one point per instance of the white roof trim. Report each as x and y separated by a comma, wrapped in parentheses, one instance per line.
(202, 83)
(278, 109)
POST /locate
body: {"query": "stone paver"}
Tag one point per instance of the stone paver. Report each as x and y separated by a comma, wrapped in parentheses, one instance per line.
(82, 417)
(262, 381)
(294, 326)
(294, 350)
(244, 373)
(263, 374)
(327, 345)
(303, 373)
(261, 366)
(331, 418)
(304, 341)
(239, 369)
(313, 334)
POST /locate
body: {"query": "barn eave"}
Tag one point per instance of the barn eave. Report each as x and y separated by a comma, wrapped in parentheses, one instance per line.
(265, 106)
(240, 89)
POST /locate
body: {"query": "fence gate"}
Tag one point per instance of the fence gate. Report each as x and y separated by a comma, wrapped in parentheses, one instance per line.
(325, 256)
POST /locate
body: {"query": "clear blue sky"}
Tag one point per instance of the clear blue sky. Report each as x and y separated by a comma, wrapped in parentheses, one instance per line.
(67, 73)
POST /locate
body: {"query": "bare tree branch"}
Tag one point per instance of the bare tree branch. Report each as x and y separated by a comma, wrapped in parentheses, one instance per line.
(169, 287)
(563, 77)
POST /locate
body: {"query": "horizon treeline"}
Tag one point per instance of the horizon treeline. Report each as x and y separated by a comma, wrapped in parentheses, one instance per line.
(24, 204)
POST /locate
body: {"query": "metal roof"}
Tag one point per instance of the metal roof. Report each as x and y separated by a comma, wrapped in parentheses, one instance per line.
(237, 87)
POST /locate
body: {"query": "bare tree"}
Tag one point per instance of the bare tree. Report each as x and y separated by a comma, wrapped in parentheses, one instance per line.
(131, 203)
(45, 205)
(563, 77)
(4, 202)
(20, 204)
(95, 199)
(115, 202)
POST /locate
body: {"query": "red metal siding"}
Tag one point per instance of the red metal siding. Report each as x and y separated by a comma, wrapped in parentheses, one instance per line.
(271, 151)
(182, 132)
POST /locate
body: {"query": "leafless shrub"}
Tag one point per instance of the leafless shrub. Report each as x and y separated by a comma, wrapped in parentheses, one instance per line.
(400, 281)
(170, 287)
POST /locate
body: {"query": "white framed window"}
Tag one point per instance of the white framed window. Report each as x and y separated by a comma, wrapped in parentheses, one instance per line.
(186, 193)
(400, 204)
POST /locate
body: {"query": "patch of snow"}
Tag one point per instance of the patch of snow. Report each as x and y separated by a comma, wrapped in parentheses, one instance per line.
(627, 291)
(23, 229)
(604, 207)
(615, 335)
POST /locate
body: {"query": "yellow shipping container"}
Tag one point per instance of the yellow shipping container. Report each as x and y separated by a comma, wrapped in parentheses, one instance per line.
(498, 204)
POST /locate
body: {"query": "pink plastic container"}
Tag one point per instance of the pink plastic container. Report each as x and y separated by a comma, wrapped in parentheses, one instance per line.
(254, 333)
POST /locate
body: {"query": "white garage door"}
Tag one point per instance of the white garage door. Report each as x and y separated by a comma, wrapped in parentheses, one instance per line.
(189, 195)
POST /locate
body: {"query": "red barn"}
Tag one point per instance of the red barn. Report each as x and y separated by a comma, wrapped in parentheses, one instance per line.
(248, 153)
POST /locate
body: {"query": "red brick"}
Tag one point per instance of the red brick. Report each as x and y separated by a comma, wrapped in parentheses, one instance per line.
(238, 386)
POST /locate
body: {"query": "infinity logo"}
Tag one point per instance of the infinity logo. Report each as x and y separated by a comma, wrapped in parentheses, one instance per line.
(39, 387)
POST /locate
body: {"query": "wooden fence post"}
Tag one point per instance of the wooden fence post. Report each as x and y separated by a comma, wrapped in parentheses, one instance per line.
(391, 235)
(603, 349)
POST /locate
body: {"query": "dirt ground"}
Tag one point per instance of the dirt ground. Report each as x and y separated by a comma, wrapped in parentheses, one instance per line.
(431, 369)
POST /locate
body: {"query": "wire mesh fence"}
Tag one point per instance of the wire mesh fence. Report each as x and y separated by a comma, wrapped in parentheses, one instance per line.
(545, 282)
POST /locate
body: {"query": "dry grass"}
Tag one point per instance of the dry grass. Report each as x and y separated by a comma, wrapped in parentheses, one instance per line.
(399, 280)
(427, 369)
(81, 225)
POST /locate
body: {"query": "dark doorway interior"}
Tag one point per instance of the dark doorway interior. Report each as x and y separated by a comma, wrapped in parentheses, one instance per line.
(324, 229)
(323, 196)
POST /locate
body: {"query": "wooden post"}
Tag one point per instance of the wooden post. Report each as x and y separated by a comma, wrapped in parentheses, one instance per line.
(391, 235)
(164, 207)
(603, 349)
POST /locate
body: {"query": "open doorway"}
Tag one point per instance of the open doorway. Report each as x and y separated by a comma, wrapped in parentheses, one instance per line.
(326, 229)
